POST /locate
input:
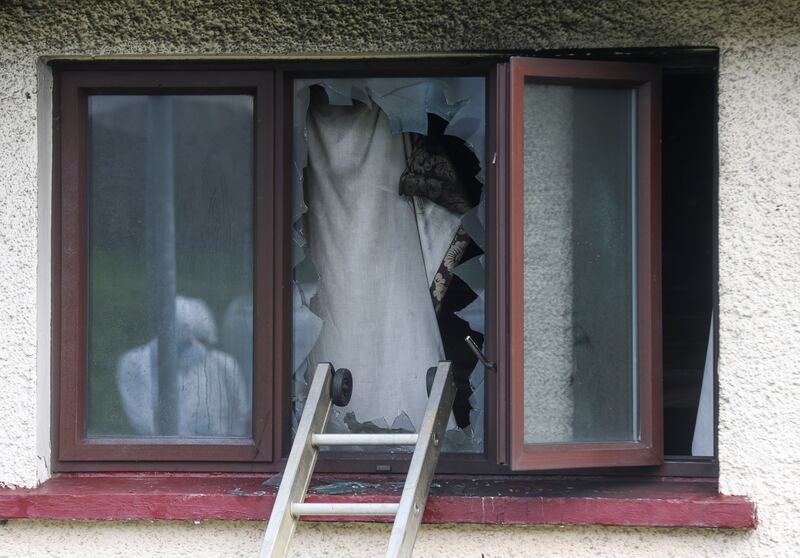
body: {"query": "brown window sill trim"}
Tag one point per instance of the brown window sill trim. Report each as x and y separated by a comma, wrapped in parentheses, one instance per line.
(488, 500)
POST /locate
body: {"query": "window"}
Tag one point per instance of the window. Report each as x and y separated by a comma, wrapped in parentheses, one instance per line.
(163, 246)
(585, 297)
(234, 225)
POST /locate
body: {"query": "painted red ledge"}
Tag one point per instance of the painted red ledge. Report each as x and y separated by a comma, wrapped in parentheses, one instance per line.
(507, 501)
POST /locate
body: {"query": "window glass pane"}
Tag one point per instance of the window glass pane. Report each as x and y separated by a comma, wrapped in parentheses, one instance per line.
(388, 227)
(580, 299)
(170, 265)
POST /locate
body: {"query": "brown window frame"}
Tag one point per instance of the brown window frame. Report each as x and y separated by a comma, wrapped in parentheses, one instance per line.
(493, 459)
(647, 81)
(273, 80)
(73, 450)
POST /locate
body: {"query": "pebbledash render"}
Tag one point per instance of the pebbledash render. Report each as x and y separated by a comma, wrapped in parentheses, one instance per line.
(758, 242)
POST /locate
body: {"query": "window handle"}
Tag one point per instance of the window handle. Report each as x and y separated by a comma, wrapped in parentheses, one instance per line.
(478, 353)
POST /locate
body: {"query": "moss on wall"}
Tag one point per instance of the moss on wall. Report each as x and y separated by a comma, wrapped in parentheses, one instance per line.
(258, 27)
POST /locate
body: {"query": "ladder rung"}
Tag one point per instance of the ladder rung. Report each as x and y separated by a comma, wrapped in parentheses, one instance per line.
(364, 439)
(343, 508)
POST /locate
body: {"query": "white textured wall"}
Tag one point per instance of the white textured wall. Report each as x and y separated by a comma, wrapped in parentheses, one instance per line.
(347, 540)
(18, 266)
(759, 369)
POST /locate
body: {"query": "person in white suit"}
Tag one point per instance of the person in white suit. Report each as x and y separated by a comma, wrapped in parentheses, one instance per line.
(212, 395)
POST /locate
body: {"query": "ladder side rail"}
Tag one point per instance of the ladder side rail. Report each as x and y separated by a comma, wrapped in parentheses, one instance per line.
(423, 463)
(299, 466)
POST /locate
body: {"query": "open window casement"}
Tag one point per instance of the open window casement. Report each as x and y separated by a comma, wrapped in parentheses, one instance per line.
(585, 362)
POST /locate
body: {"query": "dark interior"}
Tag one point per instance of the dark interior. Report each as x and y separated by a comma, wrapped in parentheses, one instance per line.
(688, 232)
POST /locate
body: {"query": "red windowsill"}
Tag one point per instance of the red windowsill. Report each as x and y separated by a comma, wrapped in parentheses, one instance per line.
(489, 500)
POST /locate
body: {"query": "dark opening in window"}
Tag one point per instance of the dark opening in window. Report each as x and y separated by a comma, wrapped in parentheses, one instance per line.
(688, 259)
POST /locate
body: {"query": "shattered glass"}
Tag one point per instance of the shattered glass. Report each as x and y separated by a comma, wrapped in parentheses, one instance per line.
(409, 106)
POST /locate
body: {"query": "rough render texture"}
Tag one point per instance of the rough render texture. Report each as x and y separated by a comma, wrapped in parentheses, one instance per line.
(759, 238)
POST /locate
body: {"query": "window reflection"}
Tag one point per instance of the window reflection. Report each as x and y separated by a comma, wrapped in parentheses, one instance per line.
(580, 298)
(170, 252)
(212, 398)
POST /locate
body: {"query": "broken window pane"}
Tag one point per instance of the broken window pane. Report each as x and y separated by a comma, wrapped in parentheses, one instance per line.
(388, 246)
(169, 282)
